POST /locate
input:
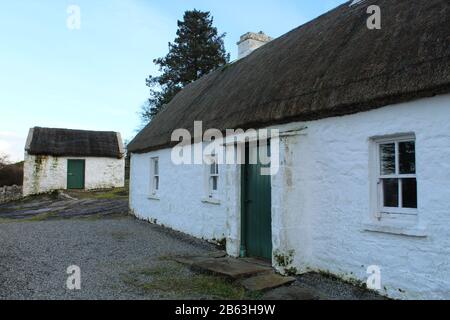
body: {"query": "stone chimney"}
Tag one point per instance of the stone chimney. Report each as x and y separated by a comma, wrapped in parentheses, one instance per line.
(250, 42)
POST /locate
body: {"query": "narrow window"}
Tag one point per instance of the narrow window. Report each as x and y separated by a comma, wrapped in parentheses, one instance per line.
(213, 181)
(397, 182)
(154, 176)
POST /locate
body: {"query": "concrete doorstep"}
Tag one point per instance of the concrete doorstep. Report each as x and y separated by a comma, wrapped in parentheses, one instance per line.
(253, 276)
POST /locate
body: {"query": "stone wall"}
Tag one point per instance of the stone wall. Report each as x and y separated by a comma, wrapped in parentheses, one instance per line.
(9, 193)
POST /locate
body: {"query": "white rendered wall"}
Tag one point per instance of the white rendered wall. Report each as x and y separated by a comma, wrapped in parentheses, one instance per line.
(182, 190)
(46, 173)
(321, 199)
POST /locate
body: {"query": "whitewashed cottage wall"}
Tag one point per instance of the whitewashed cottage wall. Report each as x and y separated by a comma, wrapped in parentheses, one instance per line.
(321, 199)
(181, 204)
(46, 173)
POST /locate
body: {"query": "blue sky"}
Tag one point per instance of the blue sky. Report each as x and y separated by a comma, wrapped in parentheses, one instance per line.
(94, 78)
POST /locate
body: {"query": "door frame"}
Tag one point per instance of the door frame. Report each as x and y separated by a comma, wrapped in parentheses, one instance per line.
(243, 210)
(84, 173)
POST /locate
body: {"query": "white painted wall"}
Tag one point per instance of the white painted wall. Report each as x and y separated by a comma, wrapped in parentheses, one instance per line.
(46, 173)
(179, 204)
(321, 199)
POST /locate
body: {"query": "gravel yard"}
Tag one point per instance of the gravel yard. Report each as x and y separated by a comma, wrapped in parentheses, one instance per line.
(112, 255)
(119, 257)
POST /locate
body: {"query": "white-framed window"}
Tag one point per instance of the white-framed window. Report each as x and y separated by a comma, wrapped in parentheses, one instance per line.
(213, 176)
(154, 176)
(396, 180)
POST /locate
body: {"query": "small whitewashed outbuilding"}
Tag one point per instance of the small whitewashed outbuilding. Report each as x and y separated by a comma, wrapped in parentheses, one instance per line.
(362, 186)
(57, 159)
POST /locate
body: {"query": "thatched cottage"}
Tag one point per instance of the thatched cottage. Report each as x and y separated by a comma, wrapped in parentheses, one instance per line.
(57, 159)
(362, 157)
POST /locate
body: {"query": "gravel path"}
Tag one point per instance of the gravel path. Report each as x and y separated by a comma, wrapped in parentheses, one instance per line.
(119, 257)
(34, 257)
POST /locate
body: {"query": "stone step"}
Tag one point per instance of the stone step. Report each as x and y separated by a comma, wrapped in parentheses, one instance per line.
(230, 267)
(294, 292)
(217, 254)
(188, 260)
(264, 282)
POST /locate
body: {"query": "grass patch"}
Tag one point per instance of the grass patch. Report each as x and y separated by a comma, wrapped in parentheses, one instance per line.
(36, 218)
(120, 235)
(55, 216)
(99, 216)
(42, 217)
(117, 193)
(7, 220)
(172, 279)
(112, 194)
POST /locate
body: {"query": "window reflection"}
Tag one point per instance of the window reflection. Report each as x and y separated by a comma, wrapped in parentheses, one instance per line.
(387, 158)
(407, 157)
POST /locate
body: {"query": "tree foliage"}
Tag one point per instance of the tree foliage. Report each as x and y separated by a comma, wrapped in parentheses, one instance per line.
(197, 50)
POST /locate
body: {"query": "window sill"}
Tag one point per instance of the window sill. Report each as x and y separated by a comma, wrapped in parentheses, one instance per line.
(211, 201)
(154, 197)
(417, 232)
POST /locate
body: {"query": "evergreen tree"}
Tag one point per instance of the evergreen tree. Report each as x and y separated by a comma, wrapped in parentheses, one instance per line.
(197, 50)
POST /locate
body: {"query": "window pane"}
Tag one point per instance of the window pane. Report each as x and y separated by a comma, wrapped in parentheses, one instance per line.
(214, 168)
(156, 181)
(409, 193)
(387, 158)
(407, 154)
(156, 167)
(214, 183)
(390, 192)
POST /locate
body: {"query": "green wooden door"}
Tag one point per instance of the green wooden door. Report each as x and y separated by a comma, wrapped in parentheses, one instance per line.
(75, 174)
(257, 213)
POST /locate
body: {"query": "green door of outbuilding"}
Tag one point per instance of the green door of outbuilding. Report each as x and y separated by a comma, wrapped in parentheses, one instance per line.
(257, 209)
(75, 174)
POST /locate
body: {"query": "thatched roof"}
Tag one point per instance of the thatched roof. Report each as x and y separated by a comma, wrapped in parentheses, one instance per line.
(331, 66)
(74, 143)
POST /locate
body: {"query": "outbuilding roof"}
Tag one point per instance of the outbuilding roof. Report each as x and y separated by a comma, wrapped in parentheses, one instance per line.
(74, 143)
(331, 66)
